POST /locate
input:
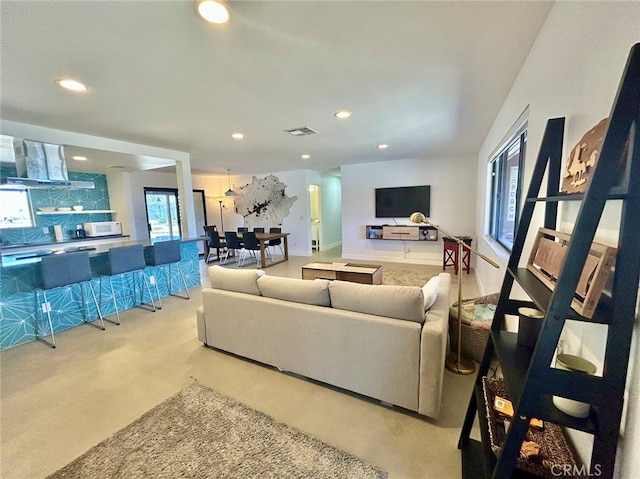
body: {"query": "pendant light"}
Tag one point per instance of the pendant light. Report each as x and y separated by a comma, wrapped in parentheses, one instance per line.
(229, 192)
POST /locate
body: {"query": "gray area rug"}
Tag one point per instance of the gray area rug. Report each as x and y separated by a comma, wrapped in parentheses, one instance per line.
(407, 277)
(199, 433)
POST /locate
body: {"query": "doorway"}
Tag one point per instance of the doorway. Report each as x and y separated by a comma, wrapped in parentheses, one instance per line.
(163, 220)
(315, 207)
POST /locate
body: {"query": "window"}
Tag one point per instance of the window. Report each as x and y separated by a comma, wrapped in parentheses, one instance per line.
(14, 209)
(506, 184)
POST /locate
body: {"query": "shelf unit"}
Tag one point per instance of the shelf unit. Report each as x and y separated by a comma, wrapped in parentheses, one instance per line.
(81, 212)
(530, 380)
(401, 232)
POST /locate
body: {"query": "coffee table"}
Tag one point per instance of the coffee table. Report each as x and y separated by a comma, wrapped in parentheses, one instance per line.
(354, 272)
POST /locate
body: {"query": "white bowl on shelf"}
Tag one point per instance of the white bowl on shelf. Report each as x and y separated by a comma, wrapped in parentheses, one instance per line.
(47, 209)
(78, 208)
(64, 208)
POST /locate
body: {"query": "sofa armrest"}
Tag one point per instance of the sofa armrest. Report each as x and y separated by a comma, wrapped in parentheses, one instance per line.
(433, 350)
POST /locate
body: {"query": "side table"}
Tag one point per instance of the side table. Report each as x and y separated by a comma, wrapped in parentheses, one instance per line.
(450, 253)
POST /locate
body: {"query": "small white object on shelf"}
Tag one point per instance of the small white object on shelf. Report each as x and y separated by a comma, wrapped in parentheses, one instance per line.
(64, 208)
(47, 209)
(78, 208)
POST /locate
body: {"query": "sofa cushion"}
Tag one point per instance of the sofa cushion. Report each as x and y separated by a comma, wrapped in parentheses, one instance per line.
(238, 280)
(400, 302)
(430, 292)
(296, 290)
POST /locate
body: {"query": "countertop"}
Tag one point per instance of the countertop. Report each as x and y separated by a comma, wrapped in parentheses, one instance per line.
(15, 256)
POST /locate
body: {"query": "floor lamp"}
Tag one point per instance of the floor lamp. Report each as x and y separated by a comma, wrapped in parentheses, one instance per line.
(456, 363)
(220, 200)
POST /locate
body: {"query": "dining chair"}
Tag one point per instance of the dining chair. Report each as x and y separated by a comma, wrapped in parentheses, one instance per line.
(213, 243)
(275, 242)
(250, 247)
(233, 244)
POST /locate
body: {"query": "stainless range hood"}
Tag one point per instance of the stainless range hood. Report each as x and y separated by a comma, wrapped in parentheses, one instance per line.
(40, 165)
(16, 183)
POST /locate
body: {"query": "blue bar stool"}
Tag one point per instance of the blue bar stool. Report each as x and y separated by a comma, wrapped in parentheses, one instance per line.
(127, 260)
(166, 253)
(58, 271)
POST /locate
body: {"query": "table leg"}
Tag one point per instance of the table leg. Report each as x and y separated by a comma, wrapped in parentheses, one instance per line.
(286, 249)
(263, 260)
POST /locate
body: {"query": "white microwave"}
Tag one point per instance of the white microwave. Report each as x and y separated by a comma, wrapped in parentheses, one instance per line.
(103, 228)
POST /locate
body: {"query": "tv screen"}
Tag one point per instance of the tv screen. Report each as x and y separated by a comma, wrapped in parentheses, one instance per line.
(401, 202)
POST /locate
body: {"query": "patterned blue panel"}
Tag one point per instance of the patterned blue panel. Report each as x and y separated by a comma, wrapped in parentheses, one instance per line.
(90, 199)
(19, 308)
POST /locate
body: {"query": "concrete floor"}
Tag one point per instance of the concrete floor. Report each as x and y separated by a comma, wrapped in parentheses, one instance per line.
(57, 403)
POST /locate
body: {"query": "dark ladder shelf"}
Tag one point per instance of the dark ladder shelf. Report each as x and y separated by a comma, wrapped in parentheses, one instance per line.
(529, 378)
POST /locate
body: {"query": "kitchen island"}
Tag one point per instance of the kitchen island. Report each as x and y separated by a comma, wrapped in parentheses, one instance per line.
(20, 277)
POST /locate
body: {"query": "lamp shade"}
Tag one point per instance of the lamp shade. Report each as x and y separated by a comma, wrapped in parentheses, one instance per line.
(417, 217)
(229, 192)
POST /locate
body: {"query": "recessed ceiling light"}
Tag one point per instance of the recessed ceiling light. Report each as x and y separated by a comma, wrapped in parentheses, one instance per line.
(342, 114)
(237, 136)
(213, 11)
(383, 146)
(79, 158)
(305, 156)
(70, 84)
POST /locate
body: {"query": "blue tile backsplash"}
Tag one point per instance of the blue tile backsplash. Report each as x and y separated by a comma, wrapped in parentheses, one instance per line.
(42, 232)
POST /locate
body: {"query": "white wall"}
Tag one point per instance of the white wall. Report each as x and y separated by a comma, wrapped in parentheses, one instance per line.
(453, 198)
(573, 71)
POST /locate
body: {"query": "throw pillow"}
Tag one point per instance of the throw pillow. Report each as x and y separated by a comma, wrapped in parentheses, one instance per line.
(430, 292)
(399, 302)
(238, 280)
(296, 290)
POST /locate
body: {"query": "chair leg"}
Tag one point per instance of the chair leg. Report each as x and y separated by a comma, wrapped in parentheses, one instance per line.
(95, 301)
(53, 339)
(146, 285)
(184, 283)
(113, 298)
(155, 282)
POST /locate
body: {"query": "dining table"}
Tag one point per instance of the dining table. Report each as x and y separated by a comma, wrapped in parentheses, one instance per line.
(263, 240)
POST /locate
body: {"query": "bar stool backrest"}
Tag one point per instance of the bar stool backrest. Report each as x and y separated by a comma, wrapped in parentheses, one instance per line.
(65, 269)
(242, 229)
(124, 259)
(258, 230)
(165, 252)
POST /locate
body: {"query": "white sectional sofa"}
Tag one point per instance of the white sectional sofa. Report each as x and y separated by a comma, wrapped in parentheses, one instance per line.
(373, 340)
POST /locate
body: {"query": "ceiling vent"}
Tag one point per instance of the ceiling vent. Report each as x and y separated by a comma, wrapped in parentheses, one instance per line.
(302, 131)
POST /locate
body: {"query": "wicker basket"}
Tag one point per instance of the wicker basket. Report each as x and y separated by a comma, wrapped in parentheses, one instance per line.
(474, 333)
(554, 448)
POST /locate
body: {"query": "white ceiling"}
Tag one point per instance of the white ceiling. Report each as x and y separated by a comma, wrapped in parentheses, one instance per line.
(427, 78)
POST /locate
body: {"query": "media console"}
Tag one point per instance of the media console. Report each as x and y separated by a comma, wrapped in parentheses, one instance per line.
(401, 232)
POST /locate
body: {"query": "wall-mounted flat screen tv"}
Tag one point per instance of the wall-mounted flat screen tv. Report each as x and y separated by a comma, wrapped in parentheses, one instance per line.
(402, 201)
